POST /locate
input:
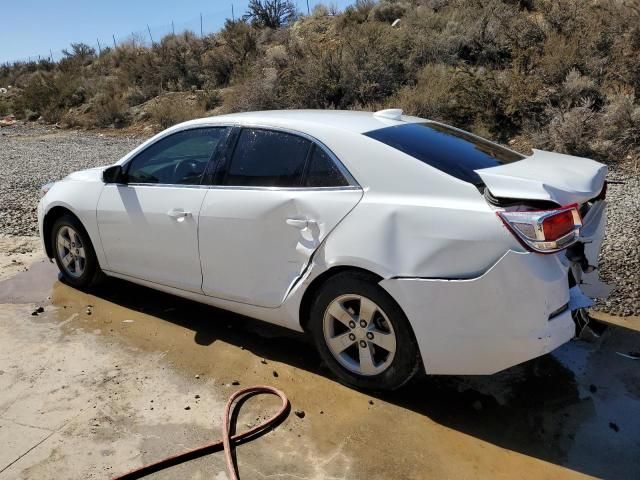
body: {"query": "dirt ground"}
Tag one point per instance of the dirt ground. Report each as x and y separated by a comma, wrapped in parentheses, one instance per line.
(101, 382)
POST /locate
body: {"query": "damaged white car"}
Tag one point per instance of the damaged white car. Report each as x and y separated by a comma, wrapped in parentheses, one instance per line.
(399, 243)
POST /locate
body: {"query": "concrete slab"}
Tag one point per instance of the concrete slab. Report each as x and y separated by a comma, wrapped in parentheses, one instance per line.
(109, 376)
(18, 440)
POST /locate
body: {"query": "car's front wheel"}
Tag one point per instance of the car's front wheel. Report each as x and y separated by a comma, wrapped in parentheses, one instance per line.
(74, 252)
(362, 334)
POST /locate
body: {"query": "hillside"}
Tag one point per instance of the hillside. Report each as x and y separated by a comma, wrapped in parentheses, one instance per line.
(554, 74)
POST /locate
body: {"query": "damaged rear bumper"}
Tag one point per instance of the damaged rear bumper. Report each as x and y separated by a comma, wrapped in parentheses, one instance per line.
(512, 313)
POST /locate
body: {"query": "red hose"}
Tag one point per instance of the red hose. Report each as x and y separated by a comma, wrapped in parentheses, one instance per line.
(227, 439)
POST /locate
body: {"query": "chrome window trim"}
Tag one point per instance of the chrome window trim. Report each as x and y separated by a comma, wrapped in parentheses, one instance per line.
(237, 187)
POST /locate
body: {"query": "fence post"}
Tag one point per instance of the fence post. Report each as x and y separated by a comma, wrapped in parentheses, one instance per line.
(173, 28)
(201, 35)
(114, 41)
(99, 47)
(233, 17)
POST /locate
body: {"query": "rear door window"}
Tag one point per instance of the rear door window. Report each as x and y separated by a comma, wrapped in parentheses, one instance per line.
(452, 151)
(267, 158)
(322, 171)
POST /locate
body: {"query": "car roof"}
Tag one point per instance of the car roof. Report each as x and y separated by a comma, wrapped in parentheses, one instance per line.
(305, 120)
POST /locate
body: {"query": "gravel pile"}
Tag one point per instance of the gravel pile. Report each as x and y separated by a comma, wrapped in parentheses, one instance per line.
(620, 256)
(32, 155)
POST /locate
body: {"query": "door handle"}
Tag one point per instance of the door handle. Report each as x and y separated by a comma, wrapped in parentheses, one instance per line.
(178, 213)
(301, 223)
(298, 222)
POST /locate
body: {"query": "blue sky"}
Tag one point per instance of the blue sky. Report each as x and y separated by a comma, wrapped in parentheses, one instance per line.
(33, 27)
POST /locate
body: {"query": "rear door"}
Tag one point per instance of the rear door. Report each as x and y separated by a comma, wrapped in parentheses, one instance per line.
(276, 197)
(149, 226)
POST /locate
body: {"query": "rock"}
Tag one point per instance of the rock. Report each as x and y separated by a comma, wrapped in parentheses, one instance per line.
(275, 374)
(370, 402)
(187, 407)
(263, 361)
(197, 397)
(300, 413)
(614, 427)
(235, 382)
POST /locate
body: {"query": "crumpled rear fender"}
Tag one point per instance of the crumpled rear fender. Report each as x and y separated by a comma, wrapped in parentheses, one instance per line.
(485, 324)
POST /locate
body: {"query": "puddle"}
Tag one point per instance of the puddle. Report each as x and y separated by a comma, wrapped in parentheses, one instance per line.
(32, 286)
(557, 408)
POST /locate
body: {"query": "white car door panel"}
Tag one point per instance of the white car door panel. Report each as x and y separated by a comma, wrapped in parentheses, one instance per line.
(149, 226)
(151, 232)
(255, 243)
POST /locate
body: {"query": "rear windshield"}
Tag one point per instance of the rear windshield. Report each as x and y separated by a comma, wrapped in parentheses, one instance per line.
(452, 151)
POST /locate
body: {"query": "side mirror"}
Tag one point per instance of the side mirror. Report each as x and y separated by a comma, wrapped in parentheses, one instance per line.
(113, 174)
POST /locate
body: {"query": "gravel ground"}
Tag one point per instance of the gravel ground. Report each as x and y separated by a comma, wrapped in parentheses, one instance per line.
(620, 256)
(32, 155)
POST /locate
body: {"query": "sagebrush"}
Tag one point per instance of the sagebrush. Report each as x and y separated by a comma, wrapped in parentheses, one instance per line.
(554, 74)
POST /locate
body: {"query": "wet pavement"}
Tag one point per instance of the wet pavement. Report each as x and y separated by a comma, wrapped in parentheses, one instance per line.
(100, 382)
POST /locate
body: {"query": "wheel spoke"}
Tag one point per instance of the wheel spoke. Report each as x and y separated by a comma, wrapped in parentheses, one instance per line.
(67, 260)
(340, 343)
(337, 311)
(76, 239)
(367, 367)
(367, 309)
(63, 243)
(387, 341)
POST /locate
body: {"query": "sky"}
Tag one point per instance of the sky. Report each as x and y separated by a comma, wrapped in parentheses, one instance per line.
(36, 27)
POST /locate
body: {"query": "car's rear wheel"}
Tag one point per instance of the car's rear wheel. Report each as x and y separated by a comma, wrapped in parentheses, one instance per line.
(362, 334)
(74, 252)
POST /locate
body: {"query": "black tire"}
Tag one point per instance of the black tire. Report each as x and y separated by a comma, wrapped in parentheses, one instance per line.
(406, 359)
(91, 272)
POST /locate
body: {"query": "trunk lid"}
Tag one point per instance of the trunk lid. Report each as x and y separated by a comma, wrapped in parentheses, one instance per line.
(563, 179)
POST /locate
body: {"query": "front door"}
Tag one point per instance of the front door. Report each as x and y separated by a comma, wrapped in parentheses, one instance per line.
(278, 196)
(149, 225)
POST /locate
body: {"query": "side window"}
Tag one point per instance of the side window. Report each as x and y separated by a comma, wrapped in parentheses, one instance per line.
(180, 158)
(322, 171)
(267, 158)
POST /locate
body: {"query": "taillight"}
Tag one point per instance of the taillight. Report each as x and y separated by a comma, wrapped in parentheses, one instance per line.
(545, 231)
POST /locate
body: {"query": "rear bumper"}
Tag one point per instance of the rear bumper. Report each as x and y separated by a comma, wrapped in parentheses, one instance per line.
(492, 322)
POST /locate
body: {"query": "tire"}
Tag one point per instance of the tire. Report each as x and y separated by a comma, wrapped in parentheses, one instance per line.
(74, 254)
(363, 364)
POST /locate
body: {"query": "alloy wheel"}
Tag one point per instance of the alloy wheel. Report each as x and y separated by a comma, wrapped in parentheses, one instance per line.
(71, 251)
(359, 334)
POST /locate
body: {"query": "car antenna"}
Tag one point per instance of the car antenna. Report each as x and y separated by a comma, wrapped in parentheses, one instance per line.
(390, 113)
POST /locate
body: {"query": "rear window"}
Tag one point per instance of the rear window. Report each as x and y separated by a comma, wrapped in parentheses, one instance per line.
(451, 151)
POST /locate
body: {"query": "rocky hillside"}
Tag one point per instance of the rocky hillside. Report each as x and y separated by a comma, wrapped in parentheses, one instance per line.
(555, 74)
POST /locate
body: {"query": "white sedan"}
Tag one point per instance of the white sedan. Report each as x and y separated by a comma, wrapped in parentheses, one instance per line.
(400, 244)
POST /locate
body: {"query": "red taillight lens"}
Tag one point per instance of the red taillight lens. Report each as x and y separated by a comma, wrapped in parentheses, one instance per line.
(558, 225)
(544, 231)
